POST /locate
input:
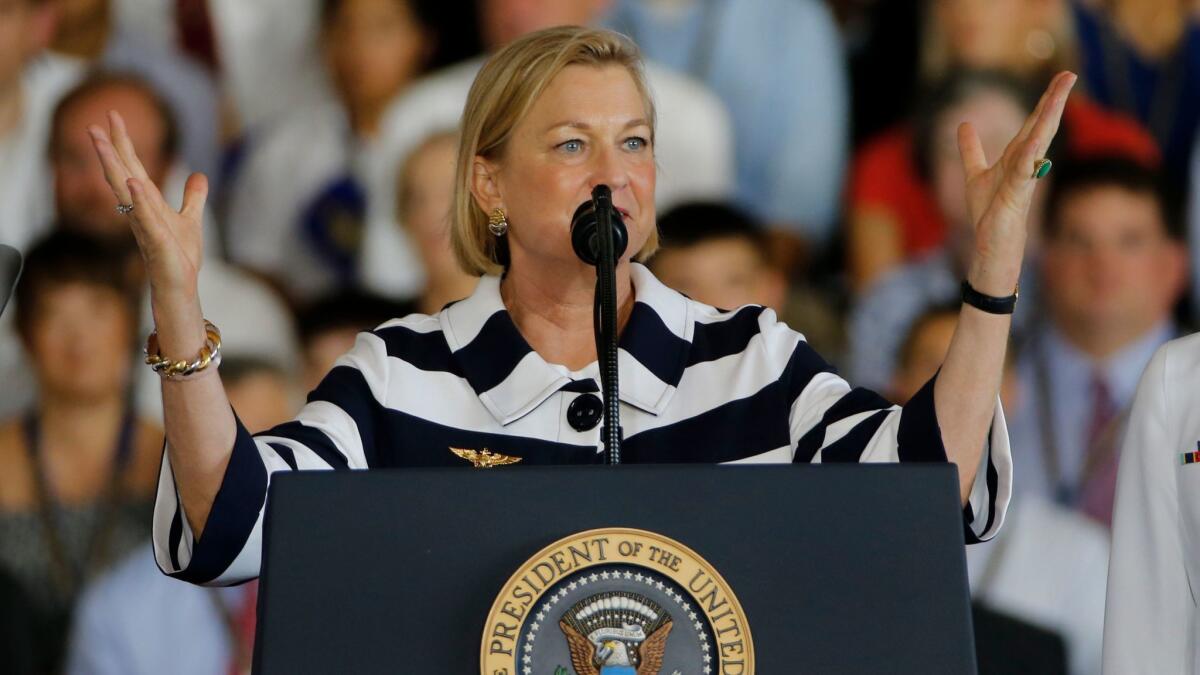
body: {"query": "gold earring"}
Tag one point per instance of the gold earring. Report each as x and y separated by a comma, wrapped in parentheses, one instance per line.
(497, 222)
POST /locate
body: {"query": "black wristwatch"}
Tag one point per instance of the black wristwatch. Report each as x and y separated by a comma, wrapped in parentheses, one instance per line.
(989, 303)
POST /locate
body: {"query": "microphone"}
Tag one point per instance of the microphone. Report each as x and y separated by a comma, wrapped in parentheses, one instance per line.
(585, 226)
(599, 237)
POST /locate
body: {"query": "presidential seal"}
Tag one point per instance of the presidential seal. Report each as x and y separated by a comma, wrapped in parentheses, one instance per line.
(616, 602)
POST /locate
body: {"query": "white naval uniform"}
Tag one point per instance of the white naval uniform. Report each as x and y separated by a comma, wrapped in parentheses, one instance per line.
(1150, 618)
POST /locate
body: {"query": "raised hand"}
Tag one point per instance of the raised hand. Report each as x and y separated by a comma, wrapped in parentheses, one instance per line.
(999, 194)
(170, 241)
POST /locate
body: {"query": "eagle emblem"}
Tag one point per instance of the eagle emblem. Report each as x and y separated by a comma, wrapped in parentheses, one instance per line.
(484, 459)
(616, 633)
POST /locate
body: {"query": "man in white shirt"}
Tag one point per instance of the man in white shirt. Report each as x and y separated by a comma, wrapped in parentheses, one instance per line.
(694, 147)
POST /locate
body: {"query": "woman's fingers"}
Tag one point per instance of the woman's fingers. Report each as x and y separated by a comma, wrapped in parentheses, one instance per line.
(195, 192)
(146, 219)
(128, 155)
(114, 169)
(1041, 105)
(124, 146)
(1024, 151)
(1049, 106)
(971, 150)
(147, 238)
(1046, 123)
(1017, 164)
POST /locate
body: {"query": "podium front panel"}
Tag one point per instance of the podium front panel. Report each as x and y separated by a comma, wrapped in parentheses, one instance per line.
(838, 568)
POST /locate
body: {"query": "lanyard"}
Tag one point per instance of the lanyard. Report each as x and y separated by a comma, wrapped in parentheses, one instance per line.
(69, 578)
(1066, 493)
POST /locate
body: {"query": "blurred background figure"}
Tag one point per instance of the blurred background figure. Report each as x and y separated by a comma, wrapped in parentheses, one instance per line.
(78, 467)
(994, 103)
(1142, 57)
(1112, 269)
(777, 65)
(81, 197)
(693, 145)
(1046, 574)
(253, 317)
(91, 32)
(717, 255)
(17, 628)
(424, 197)
(923, 350)
(328, 326)
(1027, 38)
(807, 162)
(1192, 196)
(892, 210)
(31, 81)
(262, 391)
(263, 53)
(304, 189)
(135, 621)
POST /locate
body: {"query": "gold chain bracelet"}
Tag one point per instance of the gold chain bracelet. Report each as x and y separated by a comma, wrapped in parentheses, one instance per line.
(210, 355)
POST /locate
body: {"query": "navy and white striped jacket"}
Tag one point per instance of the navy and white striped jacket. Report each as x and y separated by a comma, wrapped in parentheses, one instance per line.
(696, 385)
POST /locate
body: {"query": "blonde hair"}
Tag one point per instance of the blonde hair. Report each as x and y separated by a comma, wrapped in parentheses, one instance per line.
(503, 92)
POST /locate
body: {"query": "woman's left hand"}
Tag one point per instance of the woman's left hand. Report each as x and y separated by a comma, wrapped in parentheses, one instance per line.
(999, 195)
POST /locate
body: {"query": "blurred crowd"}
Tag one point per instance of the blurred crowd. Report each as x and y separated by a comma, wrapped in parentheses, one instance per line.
(807, 162)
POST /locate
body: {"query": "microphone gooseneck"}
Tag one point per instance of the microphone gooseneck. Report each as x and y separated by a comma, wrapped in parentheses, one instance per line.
(599, 237)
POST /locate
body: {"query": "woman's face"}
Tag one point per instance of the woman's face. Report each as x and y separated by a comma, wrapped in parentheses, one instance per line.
(80, 338)
(985, 33)
(374, 49)
(589, 127)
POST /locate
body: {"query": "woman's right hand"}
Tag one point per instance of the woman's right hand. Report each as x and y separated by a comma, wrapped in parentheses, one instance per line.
(170, 241)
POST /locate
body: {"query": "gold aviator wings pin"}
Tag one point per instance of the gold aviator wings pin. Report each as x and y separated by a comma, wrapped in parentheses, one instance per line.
(484, 459)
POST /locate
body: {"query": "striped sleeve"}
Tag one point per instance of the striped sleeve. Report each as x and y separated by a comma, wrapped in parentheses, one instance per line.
(335, 431)
(832, 422)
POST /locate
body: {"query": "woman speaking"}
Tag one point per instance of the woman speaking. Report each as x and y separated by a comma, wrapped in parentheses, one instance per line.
(511, 370)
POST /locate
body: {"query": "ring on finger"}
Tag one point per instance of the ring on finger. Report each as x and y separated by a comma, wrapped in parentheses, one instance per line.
(1041, 167)
(124, 209)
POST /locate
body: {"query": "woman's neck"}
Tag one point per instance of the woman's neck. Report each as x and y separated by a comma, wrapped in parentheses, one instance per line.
(82, 427)
(553, 312)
